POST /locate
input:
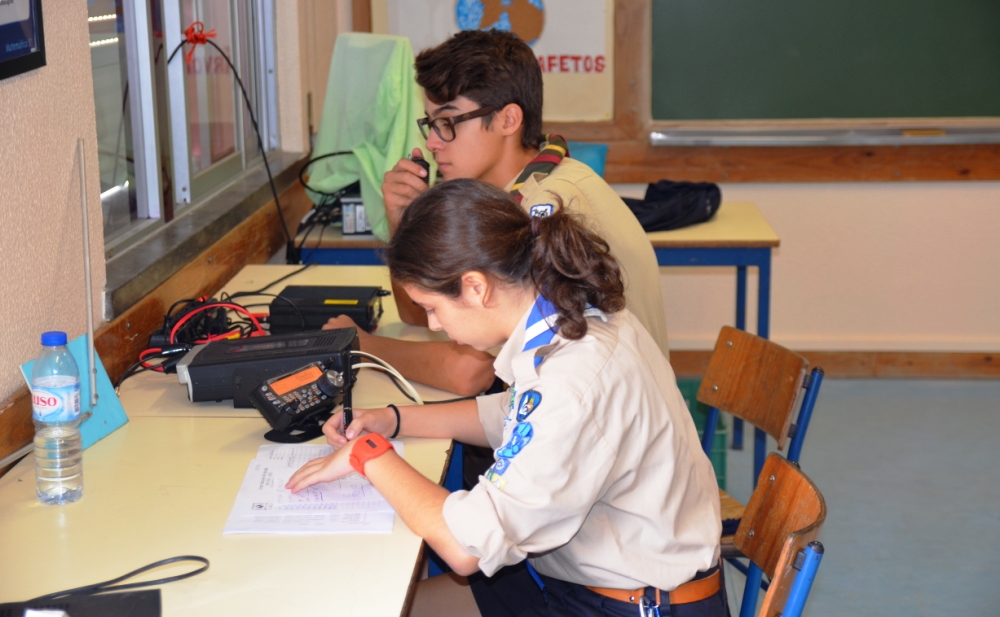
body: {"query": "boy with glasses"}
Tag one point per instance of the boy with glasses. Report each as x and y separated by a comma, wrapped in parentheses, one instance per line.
(483, 98)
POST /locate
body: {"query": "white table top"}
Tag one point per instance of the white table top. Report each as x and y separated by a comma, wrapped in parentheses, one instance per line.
(164, 484)
(737, 224)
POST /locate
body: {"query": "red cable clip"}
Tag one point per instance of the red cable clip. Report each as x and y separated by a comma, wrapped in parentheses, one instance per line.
(196, 35)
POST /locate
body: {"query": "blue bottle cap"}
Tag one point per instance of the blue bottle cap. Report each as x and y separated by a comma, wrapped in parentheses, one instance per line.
(52, 339)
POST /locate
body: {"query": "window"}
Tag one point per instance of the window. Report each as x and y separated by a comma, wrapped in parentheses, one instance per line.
(172, 133)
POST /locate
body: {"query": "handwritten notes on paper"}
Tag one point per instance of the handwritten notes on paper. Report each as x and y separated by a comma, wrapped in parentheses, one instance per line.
(263, 504)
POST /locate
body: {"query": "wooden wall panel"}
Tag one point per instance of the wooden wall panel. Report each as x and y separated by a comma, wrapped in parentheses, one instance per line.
(639, 162)
(361, 15)
(870, 364)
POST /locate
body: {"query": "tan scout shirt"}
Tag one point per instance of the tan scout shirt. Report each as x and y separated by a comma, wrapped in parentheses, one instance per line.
(585, 193)
(599, 476)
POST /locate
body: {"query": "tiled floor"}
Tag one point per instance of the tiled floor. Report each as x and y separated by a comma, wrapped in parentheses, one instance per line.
(911, 475)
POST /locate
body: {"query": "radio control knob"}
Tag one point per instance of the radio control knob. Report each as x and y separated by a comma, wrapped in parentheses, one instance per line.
(331, 383)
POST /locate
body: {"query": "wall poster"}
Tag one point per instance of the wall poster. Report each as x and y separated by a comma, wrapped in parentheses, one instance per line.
(572, 39)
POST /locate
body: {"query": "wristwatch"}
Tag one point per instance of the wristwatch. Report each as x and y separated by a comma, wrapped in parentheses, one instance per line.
(366, 448)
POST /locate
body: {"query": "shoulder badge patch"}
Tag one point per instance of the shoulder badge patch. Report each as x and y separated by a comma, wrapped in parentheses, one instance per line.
(519, 438)
(529, 402)
(540, 210)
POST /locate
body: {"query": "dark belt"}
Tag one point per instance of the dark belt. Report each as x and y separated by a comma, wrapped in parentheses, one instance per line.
(691, 591)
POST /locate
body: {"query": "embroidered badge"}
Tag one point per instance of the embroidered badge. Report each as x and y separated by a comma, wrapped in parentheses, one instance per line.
(519, 438)
(540, 210)
(500, 466)
(529, 402)
(496, 480)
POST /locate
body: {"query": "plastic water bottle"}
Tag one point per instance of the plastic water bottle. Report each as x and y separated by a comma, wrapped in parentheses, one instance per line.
(55, 405)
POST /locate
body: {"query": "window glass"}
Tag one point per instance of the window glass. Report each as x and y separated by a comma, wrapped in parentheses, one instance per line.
(217, 143)
(114, 122)
(210, 87)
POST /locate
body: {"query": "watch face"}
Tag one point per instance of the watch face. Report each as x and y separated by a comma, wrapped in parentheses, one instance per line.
(371, 443)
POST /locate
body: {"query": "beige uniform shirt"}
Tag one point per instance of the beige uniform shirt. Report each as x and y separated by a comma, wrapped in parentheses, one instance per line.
(585, 193)
(599, 476)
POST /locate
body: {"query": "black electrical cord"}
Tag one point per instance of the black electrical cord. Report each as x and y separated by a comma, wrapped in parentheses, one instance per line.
(322, 228)
(291, 256)
(257, 292)
(321, 216)
(96, 588)
(302, 173)
(450, 400)
(302, 318)
(135, 369)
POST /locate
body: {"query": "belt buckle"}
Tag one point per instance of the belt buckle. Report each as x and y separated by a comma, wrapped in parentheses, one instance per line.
(648, 608)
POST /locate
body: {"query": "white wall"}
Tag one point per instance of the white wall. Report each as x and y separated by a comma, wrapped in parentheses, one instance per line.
(861, 266)
(42, 114)
(306, 31)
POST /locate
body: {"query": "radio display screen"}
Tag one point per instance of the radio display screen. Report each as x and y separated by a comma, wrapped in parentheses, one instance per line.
(296, 380)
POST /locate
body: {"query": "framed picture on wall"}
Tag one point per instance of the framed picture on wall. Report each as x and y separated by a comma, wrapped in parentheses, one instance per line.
(22, 45)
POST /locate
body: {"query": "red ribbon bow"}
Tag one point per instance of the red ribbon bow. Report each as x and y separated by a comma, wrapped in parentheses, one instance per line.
(196, 35)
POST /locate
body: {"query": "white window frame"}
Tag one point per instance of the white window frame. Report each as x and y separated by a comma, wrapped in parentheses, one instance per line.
(142, 112)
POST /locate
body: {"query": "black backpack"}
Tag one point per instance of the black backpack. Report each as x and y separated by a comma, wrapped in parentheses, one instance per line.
(672, 205)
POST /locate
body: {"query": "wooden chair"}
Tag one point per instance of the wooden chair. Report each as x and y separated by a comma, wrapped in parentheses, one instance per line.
(779, 534)
(759, 382)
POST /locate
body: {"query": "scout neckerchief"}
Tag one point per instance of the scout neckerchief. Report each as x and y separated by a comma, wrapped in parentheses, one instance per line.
(541, 328)
(554, 149)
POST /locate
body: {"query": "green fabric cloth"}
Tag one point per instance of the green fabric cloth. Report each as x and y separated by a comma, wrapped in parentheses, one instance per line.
(371, 108)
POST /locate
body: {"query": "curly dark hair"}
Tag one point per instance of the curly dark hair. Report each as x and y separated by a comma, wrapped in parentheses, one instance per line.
(491, 67)
(465, 225)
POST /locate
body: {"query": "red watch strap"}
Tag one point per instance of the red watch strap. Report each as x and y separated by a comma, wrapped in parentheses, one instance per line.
(366, 448)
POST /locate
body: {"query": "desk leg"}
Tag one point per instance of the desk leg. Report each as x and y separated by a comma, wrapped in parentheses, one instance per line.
(741, 324)
(741, 297)
(764, 296)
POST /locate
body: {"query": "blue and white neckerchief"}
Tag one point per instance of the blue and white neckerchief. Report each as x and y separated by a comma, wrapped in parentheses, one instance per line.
(541, 328)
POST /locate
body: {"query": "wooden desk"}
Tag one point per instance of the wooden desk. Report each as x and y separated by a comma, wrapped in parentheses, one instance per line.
(738, 235)
(164, 484)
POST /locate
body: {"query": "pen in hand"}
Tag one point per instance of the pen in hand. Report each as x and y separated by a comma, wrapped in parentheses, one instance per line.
(348, 413)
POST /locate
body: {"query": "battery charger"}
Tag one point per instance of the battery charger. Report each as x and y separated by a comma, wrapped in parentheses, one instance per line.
(301, 308)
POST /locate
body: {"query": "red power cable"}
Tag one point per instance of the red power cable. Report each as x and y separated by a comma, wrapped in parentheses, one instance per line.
(233, 307)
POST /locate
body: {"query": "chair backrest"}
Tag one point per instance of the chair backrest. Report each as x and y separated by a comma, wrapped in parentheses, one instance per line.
(755, 380)
(784, 515)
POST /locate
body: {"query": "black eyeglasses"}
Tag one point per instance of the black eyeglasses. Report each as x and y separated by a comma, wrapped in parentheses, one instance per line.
(445, 127)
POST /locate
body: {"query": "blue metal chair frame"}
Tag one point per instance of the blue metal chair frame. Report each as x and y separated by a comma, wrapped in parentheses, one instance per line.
(797, 433)
(807, 563)
(786, 513)
(798, 430)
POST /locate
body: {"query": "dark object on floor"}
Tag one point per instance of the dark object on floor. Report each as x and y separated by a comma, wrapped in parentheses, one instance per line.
(672, 205)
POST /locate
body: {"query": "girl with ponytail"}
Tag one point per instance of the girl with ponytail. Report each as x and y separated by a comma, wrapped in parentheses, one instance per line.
(600, 499)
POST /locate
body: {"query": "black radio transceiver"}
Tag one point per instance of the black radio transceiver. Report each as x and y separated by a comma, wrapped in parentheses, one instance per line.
(232, 369)
(302, 400)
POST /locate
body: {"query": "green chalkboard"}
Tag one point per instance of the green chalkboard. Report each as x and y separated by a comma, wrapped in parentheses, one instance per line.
(789, 59)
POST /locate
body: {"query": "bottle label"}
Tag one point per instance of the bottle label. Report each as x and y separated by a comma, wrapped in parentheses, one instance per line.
(56, 404)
